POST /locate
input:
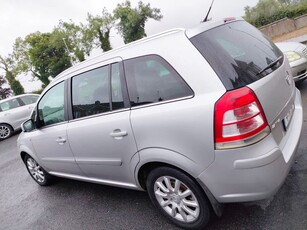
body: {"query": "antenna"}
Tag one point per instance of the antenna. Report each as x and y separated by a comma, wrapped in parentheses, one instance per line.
(206, 18)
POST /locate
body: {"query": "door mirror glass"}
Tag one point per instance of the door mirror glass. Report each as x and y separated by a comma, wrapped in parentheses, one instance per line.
(28, 126)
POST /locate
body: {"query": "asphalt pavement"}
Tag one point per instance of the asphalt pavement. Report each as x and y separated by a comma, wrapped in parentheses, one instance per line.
(78, 205)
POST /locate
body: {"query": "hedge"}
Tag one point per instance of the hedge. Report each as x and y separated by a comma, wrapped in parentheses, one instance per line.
(289, 12)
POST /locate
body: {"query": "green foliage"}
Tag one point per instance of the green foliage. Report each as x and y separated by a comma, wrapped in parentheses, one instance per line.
(9, 66)
(131, 23)
(4, 92)
(72, 35)
(17, 87)
(47, 54)
(97, 31)
(268, 11)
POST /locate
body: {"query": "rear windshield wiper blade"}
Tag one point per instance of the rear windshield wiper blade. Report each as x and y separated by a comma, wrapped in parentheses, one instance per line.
(270, 65)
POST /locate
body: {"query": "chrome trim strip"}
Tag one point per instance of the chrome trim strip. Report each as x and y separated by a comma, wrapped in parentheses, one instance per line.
(99, 114)
(99, 161)
(58, 159)
(162, 102)
(95, 180)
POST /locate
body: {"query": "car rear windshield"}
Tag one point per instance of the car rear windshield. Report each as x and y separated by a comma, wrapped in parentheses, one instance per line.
(238, 52)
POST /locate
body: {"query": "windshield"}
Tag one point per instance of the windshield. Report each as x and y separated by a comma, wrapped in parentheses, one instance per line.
(238, 52)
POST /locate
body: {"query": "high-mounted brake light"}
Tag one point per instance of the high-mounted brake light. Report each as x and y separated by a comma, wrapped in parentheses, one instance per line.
(239, 119)
(229, 19)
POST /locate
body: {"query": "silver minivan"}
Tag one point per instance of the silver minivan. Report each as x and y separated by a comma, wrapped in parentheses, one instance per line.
(197, 118)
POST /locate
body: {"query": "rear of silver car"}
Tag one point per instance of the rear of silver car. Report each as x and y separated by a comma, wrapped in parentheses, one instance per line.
(258, 120)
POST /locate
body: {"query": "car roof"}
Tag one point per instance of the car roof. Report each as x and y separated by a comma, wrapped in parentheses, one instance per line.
(124, 52)
(13, 97)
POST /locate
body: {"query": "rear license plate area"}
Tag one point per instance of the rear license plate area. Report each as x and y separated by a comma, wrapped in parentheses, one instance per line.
(287, 119)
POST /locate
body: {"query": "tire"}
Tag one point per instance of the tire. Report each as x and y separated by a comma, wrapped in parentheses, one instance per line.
(38, 174)
(178, 197)
(5, 131)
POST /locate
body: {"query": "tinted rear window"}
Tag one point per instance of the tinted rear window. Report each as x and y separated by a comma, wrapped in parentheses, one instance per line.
(237, 52)
(151, 79)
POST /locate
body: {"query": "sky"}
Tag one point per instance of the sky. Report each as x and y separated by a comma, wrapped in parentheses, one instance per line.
(18, 18)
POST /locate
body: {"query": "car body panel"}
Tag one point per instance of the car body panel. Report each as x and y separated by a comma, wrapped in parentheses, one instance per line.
(247, 174)
(55, 155)
(104, 156)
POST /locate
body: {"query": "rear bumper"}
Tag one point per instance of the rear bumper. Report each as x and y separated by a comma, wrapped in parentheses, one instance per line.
(255, 172)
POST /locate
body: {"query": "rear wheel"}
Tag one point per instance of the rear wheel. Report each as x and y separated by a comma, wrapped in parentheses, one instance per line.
(5, 131)
(37, 172)
(178, 197)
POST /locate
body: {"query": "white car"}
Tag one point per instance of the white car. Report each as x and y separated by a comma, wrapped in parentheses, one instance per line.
(297, 56)
(14, 111)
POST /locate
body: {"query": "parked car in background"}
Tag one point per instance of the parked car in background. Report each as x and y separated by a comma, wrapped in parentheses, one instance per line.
(297, 56)
(196, 118)
(14, 111)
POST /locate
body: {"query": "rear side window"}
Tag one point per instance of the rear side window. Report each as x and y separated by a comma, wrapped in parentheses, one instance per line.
(29, 99)
(238, 52)
(90, 92)
(151, 79)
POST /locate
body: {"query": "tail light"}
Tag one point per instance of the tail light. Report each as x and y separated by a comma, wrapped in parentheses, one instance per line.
(239, 119)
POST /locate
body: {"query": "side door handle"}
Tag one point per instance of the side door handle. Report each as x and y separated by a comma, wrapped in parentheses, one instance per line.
(118, 134)
(60, 140)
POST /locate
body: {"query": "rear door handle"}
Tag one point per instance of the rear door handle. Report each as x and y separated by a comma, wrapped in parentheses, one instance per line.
(118, 134)
(61, 140)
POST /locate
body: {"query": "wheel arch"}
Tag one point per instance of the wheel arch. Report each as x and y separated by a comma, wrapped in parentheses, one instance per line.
(4, 123)
(177, 161)
(24, 150)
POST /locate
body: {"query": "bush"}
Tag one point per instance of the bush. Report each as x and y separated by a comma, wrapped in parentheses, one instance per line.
(284, 12)
(17, 87)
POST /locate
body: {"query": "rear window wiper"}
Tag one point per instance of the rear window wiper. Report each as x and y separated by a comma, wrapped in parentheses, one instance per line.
(273, 63)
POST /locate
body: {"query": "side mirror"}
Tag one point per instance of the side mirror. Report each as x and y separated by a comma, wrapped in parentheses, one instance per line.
(28, 126)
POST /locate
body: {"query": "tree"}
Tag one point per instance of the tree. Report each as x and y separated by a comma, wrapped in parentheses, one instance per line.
(72, 36)
(97, 31)
(17, 87)
(8, 65)
(131, 23)
(4, 92)
(47, 55)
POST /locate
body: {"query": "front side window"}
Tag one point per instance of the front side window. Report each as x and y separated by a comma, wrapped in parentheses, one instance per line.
(90, 92)
(151, 79)
(51, 106)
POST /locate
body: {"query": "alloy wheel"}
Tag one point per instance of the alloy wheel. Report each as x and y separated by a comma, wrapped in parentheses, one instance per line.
(5, 131)
(36, 170)
(177, 199)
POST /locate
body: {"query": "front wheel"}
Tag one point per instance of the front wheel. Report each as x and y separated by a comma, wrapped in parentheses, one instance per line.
(5, 131)
(178, 197)
(37, 172)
